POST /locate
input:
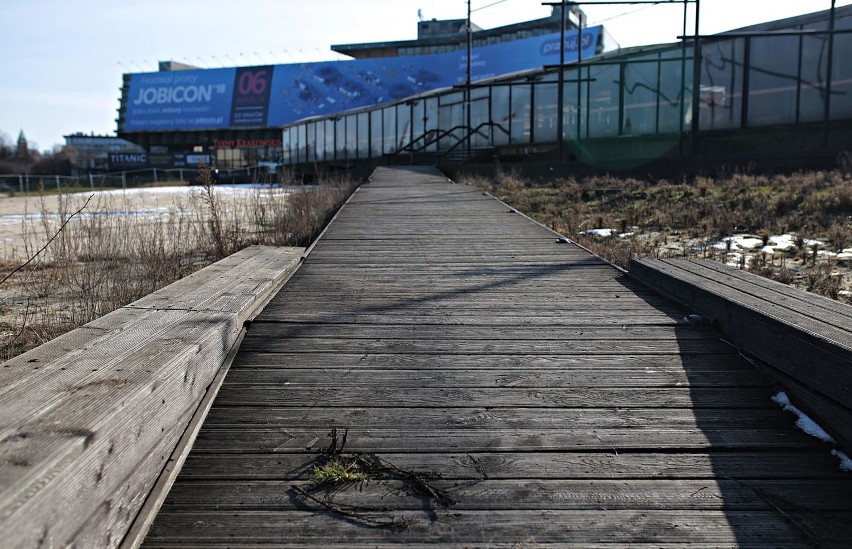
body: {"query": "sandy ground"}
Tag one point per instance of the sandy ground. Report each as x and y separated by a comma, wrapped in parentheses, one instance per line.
(24, 215)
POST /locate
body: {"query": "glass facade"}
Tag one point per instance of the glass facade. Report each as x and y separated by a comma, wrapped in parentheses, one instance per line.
(744, 82)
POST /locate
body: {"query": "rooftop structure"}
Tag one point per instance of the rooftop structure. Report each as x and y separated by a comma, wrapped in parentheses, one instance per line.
(435, 36)
(167, 66)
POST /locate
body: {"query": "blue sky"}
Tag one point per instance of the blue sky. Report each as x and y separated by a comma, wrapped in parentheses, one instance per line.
(61, 61)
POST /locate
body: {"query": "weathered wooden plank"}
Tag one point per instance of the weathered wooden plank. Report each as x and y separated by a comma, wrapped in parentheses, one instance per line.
(187, 431)
(483, 304)
(79, 452)
(722, 363)
(718, 298)
(743, 464)
(43, 355)
(528, 494)
(426, 396)
(403, 261)
(461, 418)
(602, 290)
(107, 525)
(516, 334)
(85, 432)
(680, 527)
(241, 281)
(589, 377)
(444, 317)
(559, 262)
(466, 347)
(805, 302)
(110, 365)
(404, 285)
(810, 352)
(284, 440)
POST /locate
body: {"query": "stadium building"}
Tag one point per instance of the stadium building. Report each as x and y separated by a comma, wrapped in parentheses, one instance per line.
(450, 35)
(778, 94)
(765, 97)
(233, 117)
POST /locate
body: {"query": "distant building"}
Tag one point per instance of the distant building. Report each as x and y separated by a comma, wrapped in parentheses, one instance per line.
(91, 153)
(756, 97)
(450, 35)
(231, 117)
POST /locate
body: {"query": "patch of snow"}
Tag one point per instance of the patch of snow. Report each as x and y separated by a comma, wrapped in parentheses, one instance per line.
(603, 233)
(740, 242)
(234, 189)
(16, 219)
(748, 243)
(826, 253)
(626, 235)
(844, 256)
(804, 423)
(845, 462)
(810, 243)
(783, 242)
(845, 293)
(735, 259)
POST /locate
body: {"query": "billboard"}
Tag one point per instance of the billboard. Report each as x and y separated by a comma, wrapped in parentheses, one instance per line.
(276, 95)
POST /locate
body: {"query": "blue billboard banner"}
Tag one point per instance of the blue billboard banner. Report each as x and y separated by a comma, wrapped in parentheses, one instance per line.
(180, 100)
(277, 95)
(250, 102)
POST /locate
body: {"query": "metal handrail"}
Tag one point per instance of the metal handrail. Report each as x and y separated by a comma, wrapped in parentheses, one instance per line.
(475, 131)
(432, 136)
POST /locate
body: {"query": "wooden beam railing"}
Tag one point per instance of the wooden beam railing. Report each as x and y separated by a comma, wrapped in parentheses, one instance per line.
(91, 420)
(802, 341)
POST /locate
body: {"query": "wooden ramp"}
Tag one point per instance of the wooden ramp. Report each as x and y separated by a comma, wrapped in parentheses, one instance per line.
(498, 388)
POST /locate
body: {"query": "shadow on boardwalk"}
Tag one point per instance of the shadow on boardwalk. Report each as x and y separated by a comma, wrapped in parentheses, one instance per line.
(550, 397)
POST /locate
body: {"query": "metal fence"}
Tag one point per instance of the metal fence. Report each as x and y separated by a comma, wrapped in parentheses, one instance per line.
(778, 78)
(27, 183)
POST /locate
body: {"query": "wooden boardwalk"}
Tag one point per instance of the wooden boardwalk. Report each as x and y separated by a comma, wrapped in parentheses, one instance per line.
(499, 389)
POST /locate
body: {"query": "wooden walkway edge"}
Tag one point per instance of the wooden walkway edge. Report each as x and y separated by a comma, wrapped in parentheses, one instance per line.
(91, 420)
(495, 388)
(801, 340)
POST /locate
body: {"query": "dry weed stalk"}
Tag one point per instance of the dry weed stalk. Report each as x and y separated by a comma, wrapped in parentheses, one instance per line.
(661, 218)
(100, 258)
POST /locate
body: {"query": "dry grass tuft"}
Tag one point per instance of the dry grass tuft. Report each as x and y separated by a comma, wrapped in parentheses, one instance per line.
(112, 254)
(661, 218)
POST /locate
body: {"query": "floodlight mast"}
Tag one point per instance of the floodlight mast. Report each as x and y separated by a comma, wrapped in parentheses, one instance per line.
(468, 81)
(829, 67)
